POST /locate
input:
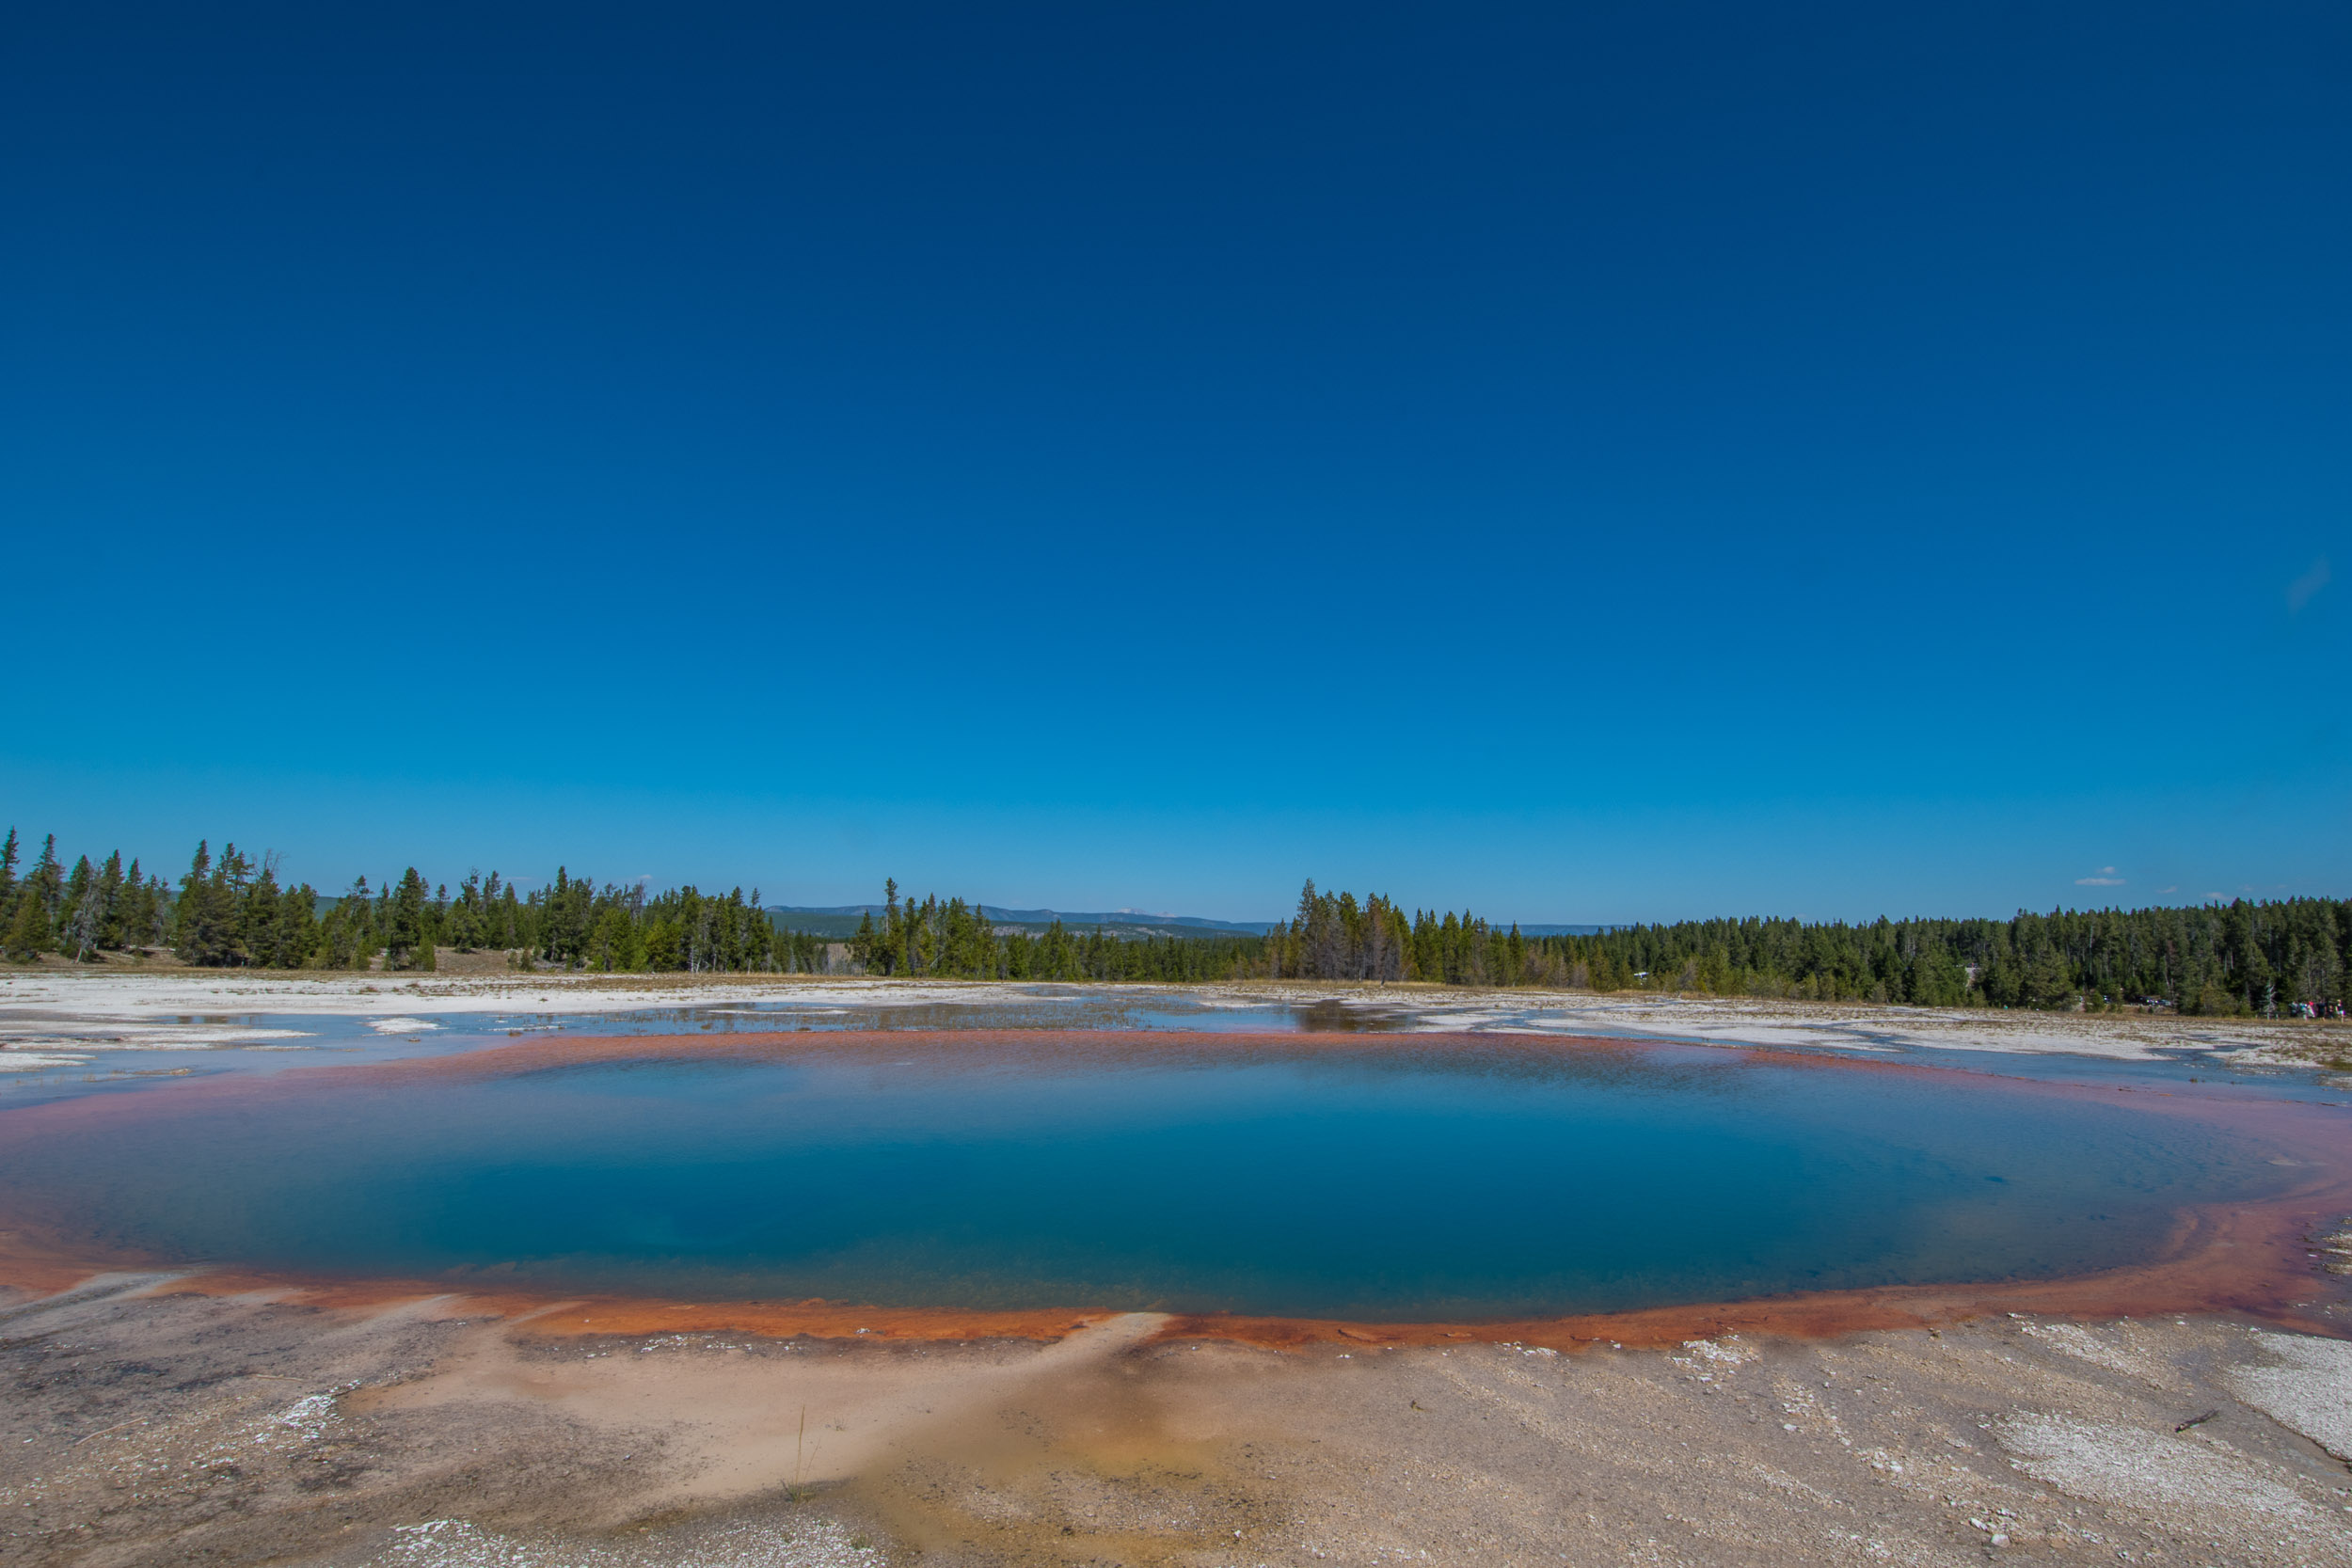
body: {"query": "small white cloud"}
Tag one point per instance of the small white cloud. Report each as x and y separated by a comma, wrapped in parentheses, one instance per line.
(2299, 592)
(2098, 881)
(2174, 888)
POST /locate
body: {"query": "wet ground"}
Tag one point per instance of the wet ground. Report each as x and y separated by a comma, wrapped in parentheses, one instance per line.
(68, 1033)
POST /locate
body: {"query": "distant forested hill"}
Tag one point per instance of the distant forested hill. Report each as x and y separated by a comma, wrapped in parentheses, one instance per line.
(841, 921)
(2239, 958)
(230, 911)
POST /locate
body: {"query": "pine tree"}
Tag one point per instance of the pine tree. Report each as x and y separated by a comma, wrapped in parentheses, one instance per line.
(349, 940)
(891, 952)
(46, 881)
(110, 888)
(136, 928)
(205, 919)
(29, 932)
(258, 918)
(563, 917)
(404, 929)
(298, 917)
(193, 934)
(86, 909)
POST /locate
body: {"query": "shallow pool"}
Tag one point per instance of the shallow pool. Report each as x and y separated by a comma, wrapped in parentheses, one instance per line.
(1359, 1177)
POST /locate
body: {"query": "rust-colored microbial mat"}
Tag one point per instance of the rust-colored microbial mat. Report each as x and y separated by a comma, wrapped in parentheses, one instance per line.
(1284, 1190)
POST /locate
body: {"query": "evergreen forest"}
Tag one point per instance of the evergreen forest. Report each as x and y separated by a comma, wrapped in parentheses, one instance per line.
(229, 910)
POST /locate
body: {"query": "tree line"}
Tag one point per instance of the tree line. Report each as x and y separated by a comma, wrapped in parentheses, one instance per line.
(231, 911)
(952, 939)
(2244, 957)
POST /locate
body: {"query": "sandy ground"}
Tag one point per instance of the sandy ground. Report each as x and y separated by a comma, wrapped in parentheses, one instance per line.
(143, 1426)
(53, 1016)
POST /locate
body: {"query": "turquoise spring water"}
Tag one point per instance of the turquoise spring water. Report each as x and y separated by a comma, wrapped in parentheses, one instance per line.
(1382, 1178)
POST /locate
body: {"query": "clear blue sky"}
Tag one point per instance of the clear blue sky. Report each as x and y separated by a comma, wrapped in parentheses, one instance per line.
(1588, 463)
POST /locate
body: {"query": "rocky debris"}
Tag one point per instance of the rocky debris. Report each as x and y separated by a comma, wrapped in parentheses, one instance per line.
(2306, 1386)
(2333, 1248)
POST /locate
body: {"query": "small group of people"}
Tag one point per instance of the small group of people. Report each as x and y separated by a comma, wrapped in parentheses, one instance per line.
(2294, 1009)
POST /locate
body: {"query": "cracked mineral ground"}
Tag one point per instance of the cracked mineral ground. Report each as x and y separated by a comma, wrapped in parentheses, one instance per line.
(147, 1423)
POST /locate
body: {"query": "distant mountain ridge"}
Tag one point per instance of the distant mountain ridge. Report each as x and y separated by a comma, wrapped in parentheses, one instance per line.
(842, 919)
(1120, 920)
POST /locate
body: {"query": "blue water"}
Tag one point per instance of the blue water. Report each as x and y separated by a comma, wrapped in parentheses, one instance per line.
(2189, 1067)
(1385, 1180)
(1044, 1006)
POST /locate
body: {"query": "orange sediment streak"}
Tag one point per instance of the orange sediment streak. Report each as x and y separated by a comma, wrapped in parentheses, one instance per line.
(2243, 1259)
